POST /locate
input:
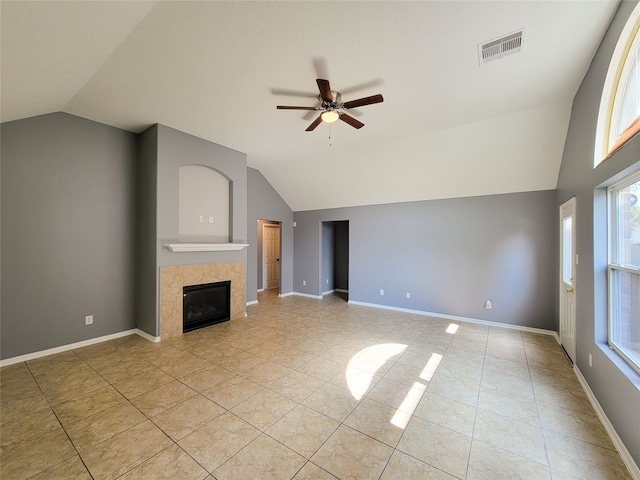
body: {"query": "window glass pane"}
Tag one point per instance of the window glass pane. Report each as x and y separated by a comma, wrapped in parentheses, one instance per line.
(567, 237)
(625, 314)
(630, 107)
(628, 228)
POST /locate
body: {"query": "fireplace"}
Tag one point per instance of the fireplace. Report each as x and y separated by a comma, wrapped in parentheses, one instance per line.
(206, 304)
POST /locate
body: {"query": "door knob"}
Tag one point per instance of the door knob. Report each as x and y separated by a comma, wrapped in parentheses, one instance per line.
(570, 290)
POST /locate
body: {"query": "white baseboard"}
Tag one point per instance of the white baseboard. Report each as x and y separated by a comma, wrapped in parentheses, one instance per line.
(308, 295)
(328, 292)
(456, 318)
(252, 302)
(341, 290)
(260, 290)
(288, 294)
(73, 346)
(634, 471)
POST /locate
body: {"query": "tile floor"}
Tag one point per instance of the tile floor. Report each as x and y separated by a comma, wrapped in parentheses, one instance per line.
(306, 389)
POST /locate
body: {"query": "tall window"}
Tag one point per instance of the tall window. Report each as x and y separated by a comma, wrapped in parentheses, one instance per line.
(619, 117)
(624, 269)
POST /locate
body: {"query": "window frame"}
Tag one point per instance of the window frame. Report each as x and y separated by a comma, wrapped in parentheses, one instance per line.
(615, 265)
(614, 88)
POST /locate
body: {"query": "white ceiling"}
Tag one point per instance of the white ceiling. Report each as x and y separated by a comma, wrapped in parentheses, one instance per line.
(447, 128)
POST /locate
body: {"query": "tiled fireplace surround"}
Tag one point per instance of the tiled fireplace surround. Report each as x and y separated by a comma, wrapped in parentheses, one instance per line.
(174, 278)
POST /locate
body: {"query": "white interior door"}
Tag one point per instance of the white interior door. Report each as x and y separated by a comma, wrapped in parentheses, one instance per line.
(568, 261)
(271, 254)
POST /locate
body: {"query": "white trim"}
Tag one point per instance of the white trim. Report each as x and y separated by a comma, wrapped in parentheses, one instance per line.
(288, 294)
(634, 471)
(146, 336)
(72, 346)
(260, 290)
(252, 302)
(458, 319)
(308, 295)
(341, 290)
(204, 247)
(328, 292)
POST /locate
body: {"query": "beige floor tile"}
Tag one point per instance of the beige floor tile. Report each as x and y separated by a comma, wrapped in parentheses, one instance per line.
(20, 389)
(461, 371)
(515, 437)
(34, 456)
(264, 408)
(207, 378)
(292, 358)
(583, 427)
(311, 471)
(267, 350)
(266, 373)
(240, 362)
(389, 392)
(517, 408)
(235, 390)
(376, 420)
(562, 397)
(124, 451)
(131, 367)
(72, 387)
(263, 458)
(461, 355)
(13, 407)
(24, 429)
(18, 372)
(218, 440)
(583, 460)
(448, 413)
(72, 469)
(507, 383)
(156, 401)
(134, 386)
(349, 454)
(100, 426)
(332, 401)
(402, 466)
(454, 389)
(87, 405)
(320, 368)
(437, 446)
(489, 463)
(303, 430)
(179, 421)
(172, 463)
(296, 386)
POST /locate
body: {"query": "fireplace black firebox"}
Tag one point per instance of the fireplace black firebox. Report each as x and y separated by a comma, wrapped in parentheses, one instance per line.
(204, 305)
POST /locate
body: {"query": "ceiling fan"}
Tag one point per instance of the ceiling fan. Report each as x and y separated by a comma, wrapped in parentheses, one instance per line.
(332, 107)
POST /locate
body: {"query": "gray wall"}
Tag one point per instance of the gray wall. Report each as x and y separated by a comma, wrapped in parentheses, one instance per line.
(146, 302)
(451, 255)
(67, 232)
(328, 256)
(615, 385)
(264, 203)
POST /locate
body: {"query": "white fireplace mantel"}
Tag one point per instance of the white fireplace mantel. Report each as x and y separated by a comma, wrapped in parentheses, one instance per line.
(204, 247)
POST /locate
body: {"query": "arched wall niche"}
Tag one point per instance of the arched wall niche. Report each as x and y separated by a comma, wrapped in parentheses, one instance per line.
(204, 205)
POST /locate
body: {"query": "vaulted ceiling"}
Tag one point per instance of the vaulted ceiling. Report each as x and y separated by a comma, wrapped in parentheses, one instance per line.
(448, 126)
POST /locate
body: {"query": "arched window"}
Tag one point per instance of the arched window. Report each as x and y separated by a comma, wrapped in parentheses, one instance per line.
(619, 116)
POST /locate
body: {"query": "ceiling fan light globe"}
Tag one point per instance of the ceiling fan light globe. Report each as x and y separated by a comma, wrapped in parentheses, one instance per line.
(330, 116)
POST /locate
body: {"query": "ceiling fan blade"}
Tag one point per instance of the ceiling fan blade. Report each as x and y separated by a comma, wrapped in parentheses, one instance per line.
(315, 123)
(361, 102)
(325, 90)
(285, 107)
(351, 121)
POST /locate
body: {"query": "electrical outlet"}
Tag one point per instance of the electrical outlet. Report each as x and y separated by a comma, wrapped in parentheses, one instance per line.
(304, 283)
(590, 360)
(327, 281)
(408, 295)
(201, 218)
(210, 219)
(381, 292)
(88, 320)
(488, 305)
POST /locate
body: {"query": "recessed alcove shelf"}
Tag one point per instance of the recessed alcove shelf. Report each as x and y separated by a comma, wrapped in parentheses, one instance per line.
(204, 247)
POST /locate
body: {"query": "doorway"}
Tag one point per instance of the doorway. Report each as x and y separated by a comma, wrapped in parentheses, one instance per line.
(335, 258)
(269, 243)
(568, 261)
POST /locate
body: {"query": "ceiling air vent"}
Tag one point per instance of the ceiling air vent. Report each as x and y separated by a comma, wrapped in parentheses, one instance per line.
(500, 47)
